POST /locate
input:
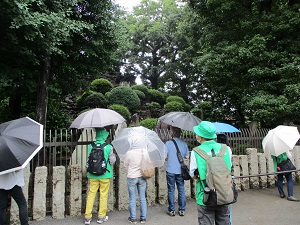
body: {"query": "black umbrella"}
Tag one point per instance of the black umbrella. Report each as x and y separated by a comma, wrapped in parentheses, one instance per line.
(20, 140)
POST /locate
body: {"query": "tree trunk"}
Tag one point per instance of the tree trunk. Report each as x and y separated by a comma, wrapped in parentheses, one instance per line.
(42, 98)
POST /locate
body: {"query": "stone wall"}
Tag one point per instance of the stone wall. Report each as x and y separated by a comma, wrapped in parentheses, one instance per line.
(72, 202)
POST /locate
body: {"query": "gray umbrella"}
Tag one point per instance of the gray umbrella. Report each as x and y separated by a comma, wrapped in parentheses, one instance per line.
(20, 140)
(183, 120)
(97, 118)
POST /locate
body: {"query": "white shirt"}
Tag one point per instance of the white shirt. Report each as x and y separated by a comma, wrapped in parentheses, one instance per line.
(9, 180)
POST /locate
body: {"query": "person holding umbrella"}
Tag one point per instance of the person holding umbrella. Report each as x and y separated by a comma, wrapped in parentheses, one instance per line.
(101, 182)
(288, 176)
(11, 184)
(173, 172)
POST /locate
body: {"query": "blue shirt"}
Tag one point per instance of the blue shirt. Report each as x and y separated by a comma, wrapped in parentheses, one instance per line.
(173, 165)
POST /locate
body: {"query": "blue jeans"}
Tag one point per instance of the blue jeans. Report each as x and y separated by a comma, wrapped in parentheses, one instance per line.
(139, 184)
(17, 194)
(171, 180)
(289, 180)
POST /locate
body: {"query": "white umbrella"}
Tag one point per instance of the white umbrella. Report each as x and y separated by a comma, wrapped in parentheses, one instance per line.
(183, 120)
(140, 139)
(97, 117)
(280, 139)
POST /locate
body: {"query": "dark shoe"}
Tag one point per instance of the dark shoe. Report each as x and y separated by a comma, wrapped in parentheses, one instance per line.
(143, 221)
(181, 213)
(282, 196)
(171, 213)
(133, 221)
(292, 198)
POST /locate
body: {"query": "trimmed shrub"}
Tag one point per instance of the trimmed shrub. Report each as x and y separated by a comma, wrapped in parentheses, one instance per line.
(175, 99)
(149, 123)
(140, 94)
(154, 108)
(101, 85)
(96, 100)
(80, 101)
(124, 95)
(141, 88)
(123, 110)
(157, 96)
(174, 106)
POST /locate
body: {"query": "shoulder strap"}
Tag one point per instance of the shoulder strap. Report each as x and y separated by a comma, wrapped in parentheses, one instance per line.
(201, 153)
(222, 151)
(178, 152)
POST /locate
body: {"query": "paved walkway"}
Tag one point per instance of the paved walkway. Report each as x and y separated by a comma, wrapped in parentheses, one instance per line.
(254, 207)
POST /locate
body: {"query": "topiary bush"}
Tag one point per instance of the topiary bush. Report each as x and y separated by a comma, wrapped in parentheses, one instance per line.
(101, 85)
(157, 96)
(124, 95)
(154, 108)
(123, 110)
(80, 101)
(175, 99)
(173, 107)
(149, 123)
(141, 88)
(140, 94)
(95, 100)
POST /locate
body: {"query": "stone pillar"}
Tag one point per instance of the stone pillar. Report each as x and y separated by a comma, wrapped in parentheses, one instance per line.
(58, 195)
(162, 186)
(75, 190)
(296, 156)
(262, 169)
(270, 169)
(236, 171)
(122, 189)
(14, 209)
(151, 191)
(39, 193)
(253, 167)
(244, 172)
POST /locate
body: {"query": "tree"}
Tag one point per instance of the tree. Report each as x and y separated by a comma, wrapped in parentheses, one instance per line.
(245, 50)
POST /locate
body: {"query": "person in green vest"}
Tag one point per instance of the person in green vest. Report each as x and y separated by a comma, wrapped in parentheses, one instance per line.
(288, 176)
(101, 182)
(205, 135)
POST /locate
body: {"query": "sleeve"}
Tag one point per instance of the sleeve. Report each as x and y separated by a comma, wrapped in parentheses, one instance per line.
(193, 164)
(112, 156)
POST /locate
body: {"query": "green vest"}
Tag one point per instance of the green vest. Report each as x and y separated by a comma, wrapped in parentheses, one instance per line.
(108, 174)
(207, 146)
(277, 159)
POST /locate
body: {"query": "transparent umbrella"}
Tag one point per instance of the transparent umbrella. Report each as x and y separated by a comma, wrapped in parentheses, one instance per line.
(140, 139)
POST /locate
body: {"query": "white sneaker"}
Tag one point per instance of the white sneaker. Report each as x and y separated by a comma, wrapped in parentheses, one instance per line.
(87, 221)
(101, 220)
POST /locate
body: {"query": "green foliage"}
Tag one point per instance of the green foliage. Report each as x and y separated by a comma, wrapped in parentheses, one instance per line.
(101, 85)
(140, 94)
(156, 96)
(176, 99)
(203, 110)
(124, 95)
(141, 88)
(95, 100)
(58, 117)
(174, 106)
(123, 110)
(154, 109)
(80, 101)
(149, 123)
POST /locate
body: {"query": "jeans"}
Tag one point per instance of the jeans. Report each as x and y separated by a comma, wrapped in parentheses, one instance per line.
(171, 180)
(289, 180)
(17, 194)
(139, 184)
(103, 186)
(217, 215)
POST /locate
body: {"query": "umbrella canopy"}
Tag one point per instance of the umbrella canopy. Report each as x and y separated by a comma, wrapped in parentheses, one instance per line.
(20, 140)
(225, 128)
(280, 139)
(183, 120)
(140, 139)
(97, 118)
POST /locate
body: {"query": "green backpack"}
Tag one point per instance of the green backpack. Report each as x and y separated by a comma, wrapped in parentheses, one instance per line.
(218, 179)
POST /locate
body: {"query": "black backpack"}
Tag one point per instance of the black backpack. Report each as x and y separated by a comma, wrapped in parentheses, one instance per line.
(97, 163)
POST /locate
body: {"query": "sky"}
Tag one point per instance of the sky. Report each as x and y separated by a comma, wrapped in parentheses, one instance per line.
(128, 4)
